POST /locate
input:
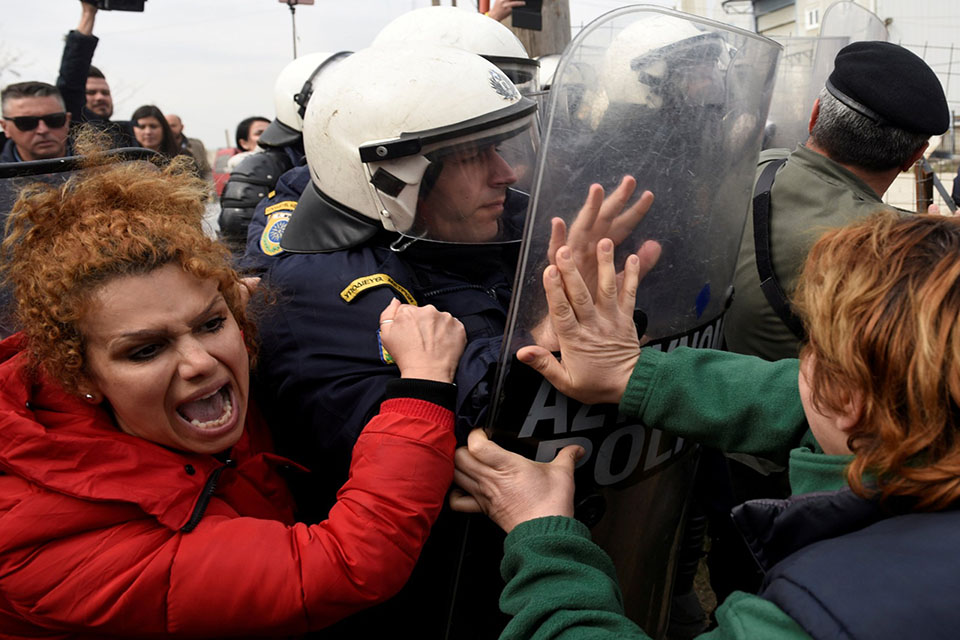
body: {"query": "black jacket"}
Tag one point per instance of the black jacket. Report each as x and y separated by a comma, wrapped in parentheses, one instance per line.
(72, 83)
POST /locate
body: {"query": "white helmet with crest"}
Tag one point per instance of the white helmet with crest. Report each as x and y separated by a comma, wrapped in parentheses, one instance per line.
(380, 130)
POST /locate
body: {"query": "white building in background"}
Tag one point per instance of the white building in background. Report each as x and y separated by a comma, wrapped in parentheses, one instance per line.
(929, 28)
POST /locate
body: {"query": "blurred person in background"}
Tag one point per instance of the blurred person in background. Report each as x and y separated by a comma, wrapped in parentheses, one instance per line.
(152, 131)
(248, 133)
(193, 146)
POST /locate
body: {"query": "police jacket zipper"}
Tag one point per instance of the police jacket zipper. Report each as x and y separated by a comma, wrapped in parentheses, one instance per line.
(490, 291)
(208, 490)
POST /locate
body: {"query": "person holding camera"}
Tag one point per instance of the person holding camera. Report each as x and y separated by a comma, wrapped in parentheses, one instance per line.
(84, 88)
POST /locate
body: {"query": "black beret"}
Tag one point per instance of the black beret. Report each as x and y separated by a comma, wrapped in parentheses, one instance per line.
(891, 86)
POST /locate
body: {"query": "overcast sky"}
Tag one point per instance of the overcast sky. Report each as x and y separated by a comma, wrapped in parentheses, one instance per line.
(211, 61)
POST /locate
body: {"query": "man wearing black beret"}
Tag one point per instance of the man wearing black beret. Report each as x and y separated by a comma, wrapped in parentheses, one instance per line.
(871, 121)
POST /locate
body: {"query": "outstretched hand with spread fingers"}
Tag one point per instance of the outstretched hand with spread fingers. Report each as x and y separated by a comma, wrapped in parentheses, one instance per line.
(600, 217)
(599, 345)
(509, 488)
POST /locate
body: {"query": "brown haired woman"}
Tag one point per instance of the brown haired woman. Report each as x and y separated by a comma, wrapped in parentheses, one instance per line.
(139, 496)
(868, 545)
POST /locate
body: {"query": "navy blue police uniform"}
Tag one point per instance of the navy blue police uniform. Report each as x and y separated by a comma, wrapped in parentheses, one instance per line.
(270, 218)
(323, 370)
(322, 367)
(250, 183)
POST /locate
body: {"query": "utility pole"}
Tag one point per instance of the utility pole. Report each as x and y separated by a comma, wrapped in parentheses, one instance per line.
(554, 35)
(293, 19)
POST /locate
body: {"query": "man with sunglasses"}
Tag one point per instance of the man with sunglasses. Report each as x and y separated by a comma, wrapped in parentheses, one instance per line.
(35, 122)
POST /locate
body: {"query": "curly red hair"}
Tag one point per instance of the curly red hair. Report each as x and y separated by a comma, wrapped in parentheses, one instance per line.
(63, 242)
(881, 303)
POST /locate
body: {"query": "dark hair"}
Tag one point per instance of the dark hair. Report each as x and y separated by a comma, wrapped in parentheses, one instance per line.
(853, 139)
(30, 89)
(243, 129)
(168, 146)
(95, 73)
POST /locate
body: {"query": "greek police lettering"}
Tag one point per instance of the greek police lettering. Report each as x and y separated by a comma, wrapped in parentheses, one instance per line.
(614, 450)
(373, 281)
(286, 205)
(618, 451)
(708, 336)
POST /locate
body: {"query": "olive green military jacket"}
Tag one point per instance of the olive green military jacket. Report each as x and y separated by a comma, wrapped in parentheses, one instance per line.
(811, 194)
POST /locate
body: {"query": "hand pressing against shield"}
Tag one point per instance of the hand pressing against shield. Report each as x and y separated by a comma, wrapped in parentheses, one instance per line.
(598, 340)
(509, 488)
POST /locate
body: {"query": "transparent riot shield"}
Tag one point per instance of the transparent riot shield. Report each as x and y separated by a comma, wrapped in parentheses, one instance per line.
(16, 175)
(800, 76)
(847, 19)
(680, 103)
(805, 65)
(843, 22)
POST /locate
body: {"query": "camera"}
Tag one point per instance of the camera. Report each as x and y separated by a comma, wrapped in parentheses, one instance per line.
(117, 5)
(528, 16)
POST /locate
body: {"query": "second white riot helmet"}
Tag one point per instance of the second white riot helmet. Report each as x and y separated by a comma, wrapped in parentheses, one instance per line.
(466, 30)
(663, 51)
(292, 91)
(423, 141)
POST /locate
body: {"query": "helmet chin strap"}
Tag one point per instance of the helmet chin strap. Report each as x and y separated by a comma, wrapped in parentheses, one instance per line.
(401, 243)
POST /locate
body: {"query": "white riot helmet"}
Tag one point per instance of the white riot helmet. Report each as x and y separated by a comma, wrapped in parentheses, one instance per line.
(661, 52)
(291, 92)
(424, 141)
(467, 30)
(548, 67)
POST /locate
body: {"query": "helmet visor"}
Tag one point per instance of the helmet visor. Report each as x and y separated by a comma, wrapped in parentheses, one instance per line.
(475, 191)
(523, 72)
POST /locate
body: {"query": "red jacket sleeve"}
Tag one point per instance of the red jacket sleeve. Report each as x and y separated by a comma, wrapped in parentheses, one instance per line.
(244, 576)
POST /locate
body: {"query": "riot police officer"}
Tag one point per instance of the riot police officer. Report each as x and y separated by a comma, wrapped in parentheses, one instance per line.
(256, 175)
(412, 154)
(437, 25)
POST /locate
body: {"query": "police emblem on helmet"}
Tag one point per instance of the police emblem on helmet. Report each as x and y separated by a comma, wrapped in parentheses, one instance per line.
(503, 86)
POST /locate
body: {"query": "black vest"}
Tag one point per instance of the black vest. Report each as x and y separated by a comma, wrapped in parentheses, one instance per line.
(843, 567)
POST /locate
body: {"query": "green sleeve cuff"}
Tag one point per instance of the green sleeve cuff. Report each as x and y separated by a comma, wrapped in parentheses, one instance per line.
(644, 373)
(545, 526)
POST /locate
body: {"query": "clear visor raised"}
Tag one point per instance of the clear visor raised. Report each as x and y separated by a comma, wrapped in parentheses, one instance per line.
(475, 191)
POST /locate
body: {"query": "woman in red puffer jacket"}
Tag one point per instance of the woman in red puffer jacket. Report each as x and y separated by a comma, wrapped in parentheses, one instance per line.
(139, 496)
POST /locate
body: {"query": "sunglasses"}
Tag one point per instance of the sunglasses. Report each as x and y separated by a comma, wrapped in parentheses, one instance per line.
(29, 123)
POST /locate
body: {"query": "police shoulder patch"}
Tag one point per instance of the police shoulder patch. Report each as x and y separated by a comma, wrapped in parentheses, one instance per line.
(373, 281)
(273, 232)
